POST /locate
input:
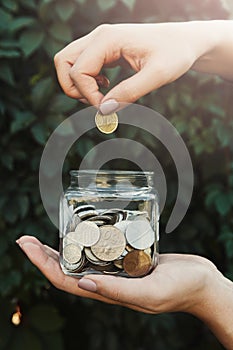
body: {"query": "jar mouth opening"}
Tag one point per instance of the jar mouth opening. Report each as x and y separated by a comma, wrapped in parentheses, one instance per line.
(77, 173)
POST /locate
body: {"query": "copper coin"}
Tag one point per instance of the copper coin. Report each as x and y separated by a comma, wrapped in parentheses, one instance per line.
(137, 263)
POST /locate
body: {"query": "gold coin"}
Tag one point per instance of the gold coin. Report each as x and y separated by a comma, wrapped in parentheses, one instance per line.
(118, 263)
(106, 123)
(137, 263)
(110, 245)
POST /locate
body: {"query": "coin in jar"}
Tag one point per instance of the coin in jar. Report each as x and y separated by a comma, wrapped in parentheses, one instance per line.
(87, 233)
(72, 253)
(122, 225)
(137, 263)
(71, 237)
(110, 245)
(106, 123)
(92, 258)
(140, 235)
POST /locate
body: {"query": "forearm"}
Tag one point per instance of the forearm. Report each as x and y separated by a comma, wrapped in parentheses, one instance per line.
(217, 37)
(215, 309)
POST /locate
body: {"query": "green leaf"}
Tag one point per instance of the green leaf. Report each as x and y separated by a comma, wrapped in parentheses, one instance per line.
(9, 53)
(39, 133)
(62, 103)
(22, 119)
(211, 196)
(4, 244)
(223, 204)
(21, 22)
(31, 4)
(106, 5)
(45, 318)
(52, 46)
(65, 10)
(6, 73)
(6, 18)
(11, 280)
(229, 248)
(23, 203)
(8, 161)
(30, 41)
(42, 92)
(61, 31)
(129, 3)
(11, 5)
(81, 2)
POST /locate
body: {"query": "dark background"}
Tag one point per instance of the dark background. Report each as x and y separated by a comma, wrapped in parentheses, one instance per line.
(32, 105)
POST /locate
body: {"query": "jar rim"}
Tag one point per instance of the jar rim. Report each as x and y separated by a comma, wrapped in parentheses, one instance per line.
(110, 172)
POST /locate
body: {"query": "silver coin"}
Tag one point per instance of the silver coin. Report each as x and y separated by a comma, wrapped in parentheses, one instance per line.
(84, 207)
(71, 237)
(87, 214)
(74, 222)
(100, 222)
(71, 267)
(93, 259)
(72, 253)
(74, 267)
(104, 218)
(110, 245)
(140, 235)
(88, 233)
(122, 225)
(117, 214)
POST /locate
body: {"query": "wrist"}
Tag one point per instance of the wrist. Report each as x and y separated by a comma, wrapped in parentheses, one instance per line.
(213, 40)
(214, 306)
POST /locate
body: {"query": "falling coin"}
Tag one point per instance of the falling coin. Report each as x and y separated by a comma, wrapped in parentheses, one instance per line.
(106, 123)
(110, 245)
(88, 233)
(137, 263)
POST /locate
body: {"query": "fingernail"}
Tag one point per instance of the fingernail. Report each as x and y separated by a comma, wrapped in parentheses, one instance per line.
(19, 243)
(87, 284)
(109, 106)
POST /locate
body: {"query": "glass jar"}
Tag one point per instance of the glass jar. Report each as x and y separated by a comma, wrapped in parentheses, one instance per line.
(109, 223)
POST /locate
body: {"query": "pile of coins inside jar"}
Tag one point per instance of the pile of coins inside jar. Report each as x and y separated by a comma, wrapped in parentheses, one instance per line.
(112, 241)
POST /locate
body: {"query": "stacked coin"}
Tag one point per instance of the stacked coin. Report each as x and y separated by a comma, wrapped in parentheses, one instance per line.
(113, 241)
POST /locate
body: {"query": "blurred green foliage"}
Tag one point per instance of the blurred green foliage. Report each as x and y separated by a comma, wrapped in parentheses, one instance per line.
(32, 105)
